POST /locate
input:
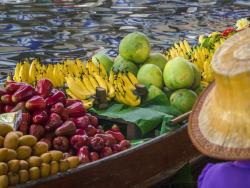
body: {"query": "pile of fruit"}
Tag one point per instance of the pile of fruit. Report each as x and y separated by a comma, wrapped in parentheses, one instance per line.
(22, 158)
(58, 123)
(81, 80)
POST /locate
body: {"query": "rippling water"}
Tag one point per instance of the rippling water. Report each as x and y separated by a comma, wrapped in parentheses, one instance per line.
(53, 30)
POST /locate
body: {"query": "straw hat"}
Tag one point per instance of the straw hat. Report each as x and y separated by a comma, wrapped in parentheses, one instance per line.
(219, 125)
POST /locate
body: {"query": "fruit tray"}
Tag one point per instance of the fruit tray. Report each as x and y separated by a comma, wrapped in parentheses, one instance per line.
(142, 165)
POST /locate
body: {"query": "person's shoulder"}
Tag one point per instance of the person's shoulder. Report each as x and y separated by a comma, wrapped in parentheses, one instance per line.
(212, 171)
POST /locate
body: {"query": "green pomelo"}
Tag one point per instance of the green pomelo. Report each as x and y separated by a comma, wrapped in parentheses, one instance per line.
(153, 92)
(178, 73)
(157, 59)
(104, 59)
(183, 99)
(150, 74)
(123, 65)
(197, 76)
(135, 47)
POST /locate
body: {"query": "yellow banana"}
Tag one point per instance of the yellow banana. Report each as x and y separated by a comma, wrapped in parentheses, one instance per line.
(82, 87)
(102, 71)
(33, 71)
(88, 84)
(111, 77)
(101, 82)
(132, 78)
(69, 93)
(93, 81)
(16, 76)
(111, 90)
(81, 66)
(91, 67)
(128, 84)
(88, 103)
(76, 89)
(132, 102)
(24, 72)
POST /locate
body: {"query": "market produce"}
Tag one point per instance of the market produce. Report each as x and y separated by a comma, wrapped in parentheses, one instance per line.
(157, 59)
(124, 84)
(31, 161)
(178, 73)
(124, 65)
(183, 99)
(150, 74)
(135, 47)
(104, 59)
(153, 92)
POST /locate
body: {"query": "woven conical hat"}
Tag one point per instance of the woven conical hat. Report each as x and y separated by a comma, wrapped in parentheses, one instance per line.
(219, 125)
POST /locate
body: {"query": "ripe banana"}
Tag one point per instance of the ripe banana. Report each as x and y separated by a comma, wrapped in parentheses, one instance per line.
(88, 85)
(16, 76)
(24, 72)
(101, 81)
(132, 78)
(33, 71)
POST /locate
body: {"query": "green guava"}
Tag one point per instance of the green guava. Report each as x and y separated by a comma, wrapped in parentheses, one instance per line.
(123, 65)
(104, 59)
(150, 74)
(135, 47)
(157, 59)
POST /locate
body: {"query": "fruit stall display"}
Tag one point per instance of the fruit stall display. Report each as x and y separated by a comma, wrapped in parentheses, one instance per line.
(59, 104)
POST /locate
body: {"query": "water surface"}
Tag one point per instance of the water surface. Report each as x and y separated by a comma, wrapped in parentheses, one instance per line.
(54, 30)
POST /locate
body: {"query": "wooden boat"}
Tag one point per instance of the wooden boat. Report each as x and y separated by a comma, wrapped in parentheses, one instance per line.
(140, 166)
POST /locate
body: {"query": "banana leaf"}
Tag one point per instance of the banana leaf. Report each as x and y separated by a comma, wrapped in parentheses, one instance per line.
(150, 115)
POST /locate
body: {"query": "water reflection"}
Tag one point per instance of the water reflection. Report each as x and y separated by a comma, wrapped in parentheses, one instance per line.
(57, 29)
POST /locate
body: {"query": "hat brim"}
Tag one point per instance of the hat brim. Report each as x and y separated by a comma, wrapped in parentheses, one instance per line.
(202, 143)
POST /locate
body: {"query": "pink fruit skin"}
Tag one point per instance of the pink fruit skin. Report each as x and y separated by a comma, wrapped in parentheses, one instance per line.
(90, 130)
(83, 154)
(68, 128)
(13, 87)
(82, 122)
(57, 108)
(76, 110)
(116, 148)
(23, 127)
(109, 140)
(61, 143)
(24, 123)
(23, 93)
(40, 117)
(35, 103)
(47, 141)
(78, 141)
(37, 131)
(19, 106)
(53, 122)
(71, 101)
(106, 151)
(117, 135)
(7, 99)
(80, 132)
(64, 115)
(44, 87)
(124, 144)
(8, 108)
(58, 96)
(93, 121)
(97, 143)
(93, 156)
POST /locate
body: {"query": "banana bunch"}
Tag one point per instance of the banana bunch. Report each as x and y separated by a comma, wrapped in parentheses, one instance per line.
(201, 55)
(84, 86)
(31, 72)
(181, 49)
(124, 84)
